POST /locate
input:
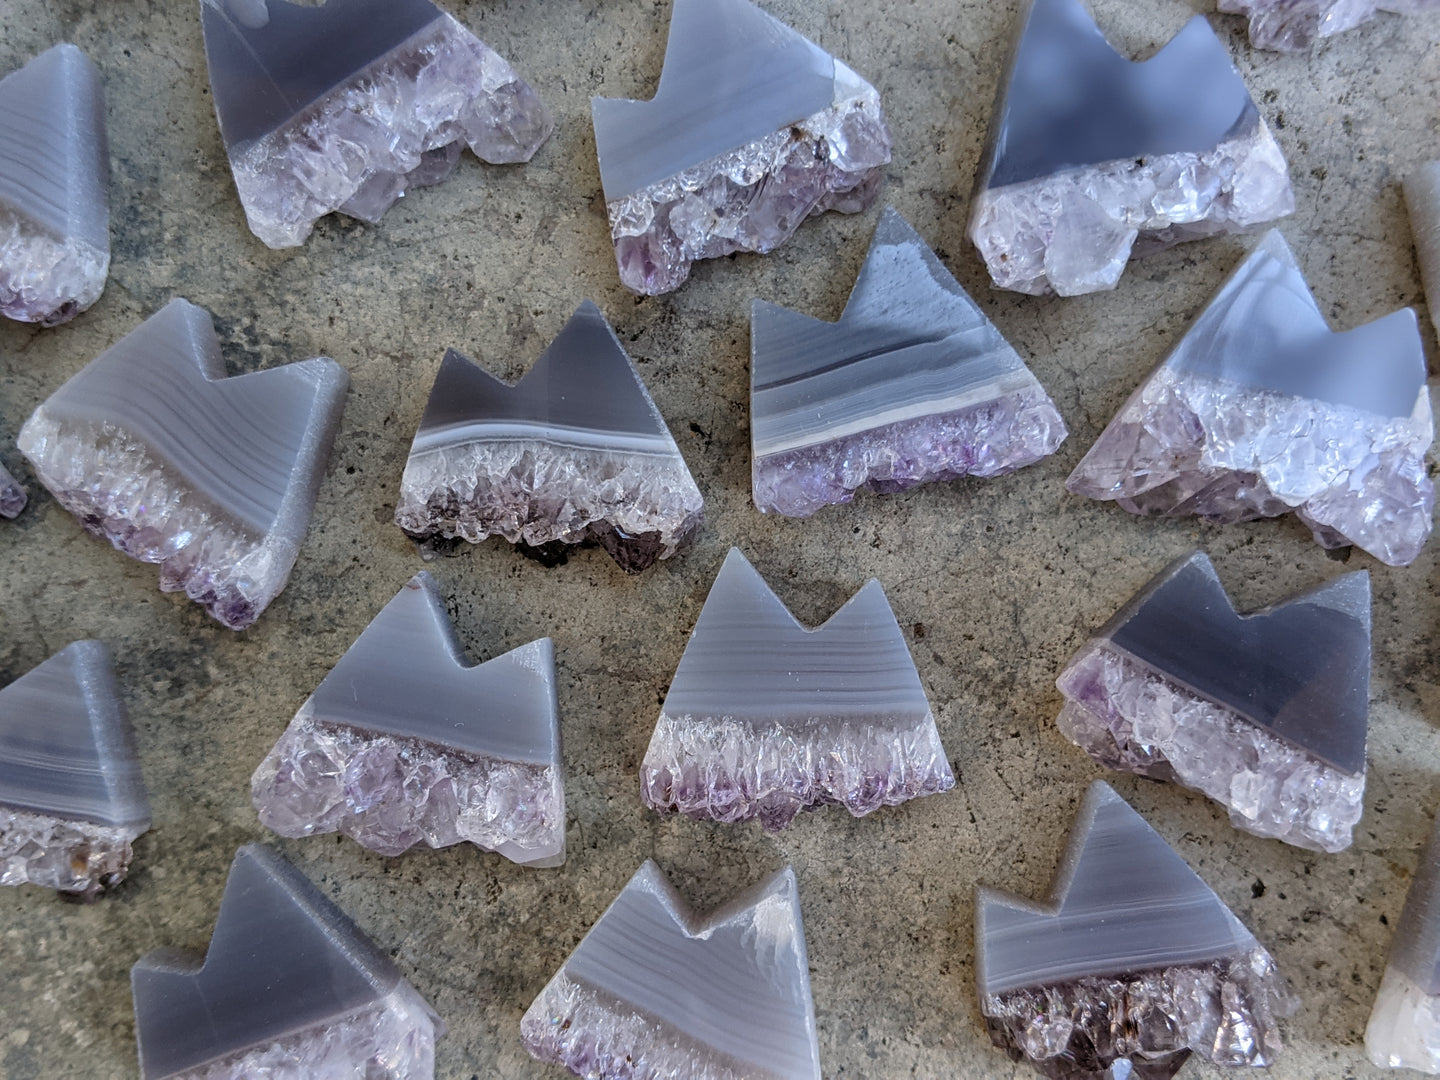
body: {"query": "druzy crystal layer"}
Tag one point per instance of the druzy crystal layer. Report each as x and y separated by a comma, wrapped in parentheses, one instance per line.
(1295, 25)
(765, 718)
(912, 384)
(83, 858)
(753, 129)
(744, 1011)
(12, 495)
(1404, 1028)
(151, 447)
(353, 132)
(1093, 157)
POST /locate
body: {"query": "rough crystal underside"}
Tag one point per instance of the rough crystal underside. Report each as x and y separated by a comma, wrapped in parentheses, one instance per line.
(730, 770)
(1188, 444)
(72, 856)
(1127, 716)
(393, 1039)
(118, 490)
(43, 278)
(752, 198)
(985, 440)
(1074, 231)
(386, 130)
(1295, 25)
(640, 506)
(1404, 1028)
(1225, 1011)
(391, 793)
(12, 495)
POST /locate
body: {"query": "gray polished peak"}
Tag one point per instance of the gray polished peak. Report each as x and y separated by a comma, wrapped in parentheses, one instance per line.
(1416, 947)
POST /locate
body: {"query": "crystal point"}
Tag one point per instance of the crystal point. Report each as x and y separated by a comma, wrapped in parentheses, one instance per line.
(347, 105)
(404, 742)
(765, 717)
(1404, 1028)
(752, 129)
(575, 452)
(1133, 962)
(72, 799)
(1266, 713)
(151, 446)
(1422, 199)
(734, 999)
(12, 495)
(54, 188)
(913, 384)
(1091, 155)
(289, 987)
(1295, 25)
(1261, 410)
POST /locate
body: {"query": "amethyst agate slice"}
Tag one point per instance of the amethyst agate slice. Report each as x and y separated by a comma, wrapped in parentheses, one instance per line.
(1404, 1028)
(1262, 410)
(655, 991)
(913, 384)
(289, 988)
(72, 799)
(1092, 157)
(348, 105)
(753, 129)
(12, 495)
(1422, 199)
(1295, 25)
(54, 188)
(404, 742)
(152, 447)
(766, 717)
(575, 452)
(1132, 965)
(1266, 713)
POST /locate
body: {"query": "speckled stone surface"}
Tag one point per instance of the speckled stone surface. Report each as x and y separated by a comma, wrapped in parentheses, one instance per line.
(995, 582)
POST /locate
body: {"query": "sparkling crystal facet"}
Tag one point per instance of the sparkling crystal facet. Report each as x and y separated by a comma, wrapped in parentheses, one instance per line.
(12, 495)
(767, 718)
(348, 105)
(753, 129)
(1404, 1029)
(1422, 199)
(214, 478)
(654, 991)
(289, 988)
(1261, 410)
(404, 743)
(1093, 157)
(574, 452)
(1295, 25)
(1131, 966)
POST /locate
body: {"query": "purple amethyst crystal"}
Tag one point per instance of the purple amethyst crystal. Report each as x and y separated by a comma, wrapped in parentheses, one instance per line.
(12, 495)
(1295, 25)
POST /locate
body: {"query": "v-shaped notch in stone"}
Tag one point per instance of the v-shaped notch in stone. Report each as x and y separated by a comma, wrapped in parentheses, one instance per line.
(1123, 902)
(66, 747)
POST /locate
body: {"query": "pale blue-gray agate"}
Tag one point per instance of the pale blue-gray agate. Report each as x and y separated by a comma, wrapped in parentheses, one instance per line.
(66, 747)
(732, 74)
(1416, 947)
(1123, 902)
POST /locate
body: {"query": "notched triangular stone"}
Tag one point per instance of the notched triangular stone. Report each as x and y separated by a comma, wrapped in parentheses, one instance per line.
(1090, 152)
(405, 742)
(72, 799)
(12, 495)
(753, 128)
(1132, 957)
(575, 452)
(288, 981)
(1404, 1028)
(54, 188)
(1261, 410)
(347, 105)
(151, 446)
(912, 384)
(766, 717)
(734, 1002)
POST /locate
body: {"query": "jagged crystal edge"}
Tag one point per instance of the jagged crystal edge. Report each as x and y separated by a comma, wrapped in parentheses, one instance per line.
(536, 493)
(1189, 444)
(599, 1037)
(394, 1039)
(752, 198)
(67, 854)
(118, 490)
(1074, 231)
(1225, 1010)
(990, 439)
(363, 139)
(1404, 1027)
(1128, 716)
(722, 769)
(1295, 25)
(46, 279)
(389, 793)
(12, 495)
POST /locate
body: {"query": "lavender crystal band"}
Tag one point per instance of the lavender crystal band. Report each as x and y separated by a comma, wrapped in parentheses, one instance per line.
(66, 854)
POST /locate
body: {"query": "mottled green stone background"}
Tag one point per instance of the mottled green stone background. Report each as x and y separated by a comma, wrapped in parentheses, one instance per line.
(996, 582)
